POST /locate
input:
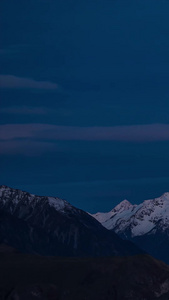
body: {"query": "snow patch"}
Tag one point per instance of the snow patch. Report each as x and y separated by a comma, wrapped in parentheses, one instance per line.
(57, 203)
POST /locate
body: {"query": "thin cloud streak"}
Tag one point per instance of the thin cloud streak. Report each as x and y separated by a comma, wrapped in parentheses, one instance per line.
(27, 148)
(14, 82)
(133, 133)
(26, 110)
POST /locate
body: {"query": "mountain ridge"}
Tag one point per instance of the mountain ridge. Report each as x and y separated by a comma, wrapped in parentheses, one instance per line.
(141, 223)
(57, 226)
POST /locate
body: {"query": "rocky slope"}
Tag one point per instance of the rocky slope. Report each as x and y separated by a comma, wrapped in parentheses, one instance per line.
(27, 277)
(52, 226)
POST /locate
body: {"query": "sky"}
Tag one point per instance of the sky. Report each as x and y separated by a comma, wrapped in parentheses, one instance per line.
(84, 99)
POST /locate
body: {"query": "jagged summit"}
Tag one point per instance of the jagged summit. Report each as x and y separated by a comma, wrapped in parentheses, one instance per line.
(52, 226)
(165, 196)
(4, 188)
(104, 217)
(146, 223)
(138, 219)
(17, 196)
(124, 205)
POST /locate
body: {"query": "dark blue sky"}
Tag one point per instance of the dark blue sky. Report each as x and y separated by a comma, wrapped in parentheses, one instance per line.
(85, 99)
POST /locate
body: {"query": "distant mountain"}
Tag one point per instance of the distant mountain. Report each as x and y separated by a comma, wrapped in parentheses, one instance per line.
(146, 224)
(52, 226)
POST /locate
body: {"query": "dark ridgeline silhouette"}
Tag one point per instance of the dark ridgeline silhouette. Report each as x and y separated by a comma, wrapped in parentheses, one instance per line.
(52, 226)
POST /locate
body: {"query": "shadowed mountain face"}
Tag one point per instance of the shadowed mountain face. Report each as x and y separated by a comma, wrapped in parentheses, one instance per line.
(52, 226)
(28, 277)
(146, 224)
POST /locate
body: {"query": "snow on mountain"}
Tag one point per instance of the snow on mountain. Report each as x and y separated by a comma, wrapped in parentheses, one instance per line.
(137, 219)
(104, 217)
(146, 224)
(52, 226)
(17, 197)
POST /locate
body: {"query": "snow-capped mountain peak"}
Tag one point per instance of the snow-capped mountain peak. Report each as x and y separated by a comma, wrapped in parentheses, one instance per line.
(165, 196)
(146, 224)
(52, 226)
(18, 197)
(124, 205)
(104, 218)
(137, 219)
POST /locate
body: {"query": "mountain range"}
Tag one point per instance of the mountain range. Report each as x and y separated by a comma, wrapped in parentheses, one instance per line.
(52, 226)
(50, 249)
(146, 224)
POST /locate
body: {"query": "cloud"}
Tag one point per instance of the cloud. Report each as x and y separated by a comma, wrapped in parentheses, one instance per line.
(25, 147)
(133, 133)
(14, 82)
(35, 110)
(26, 110)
